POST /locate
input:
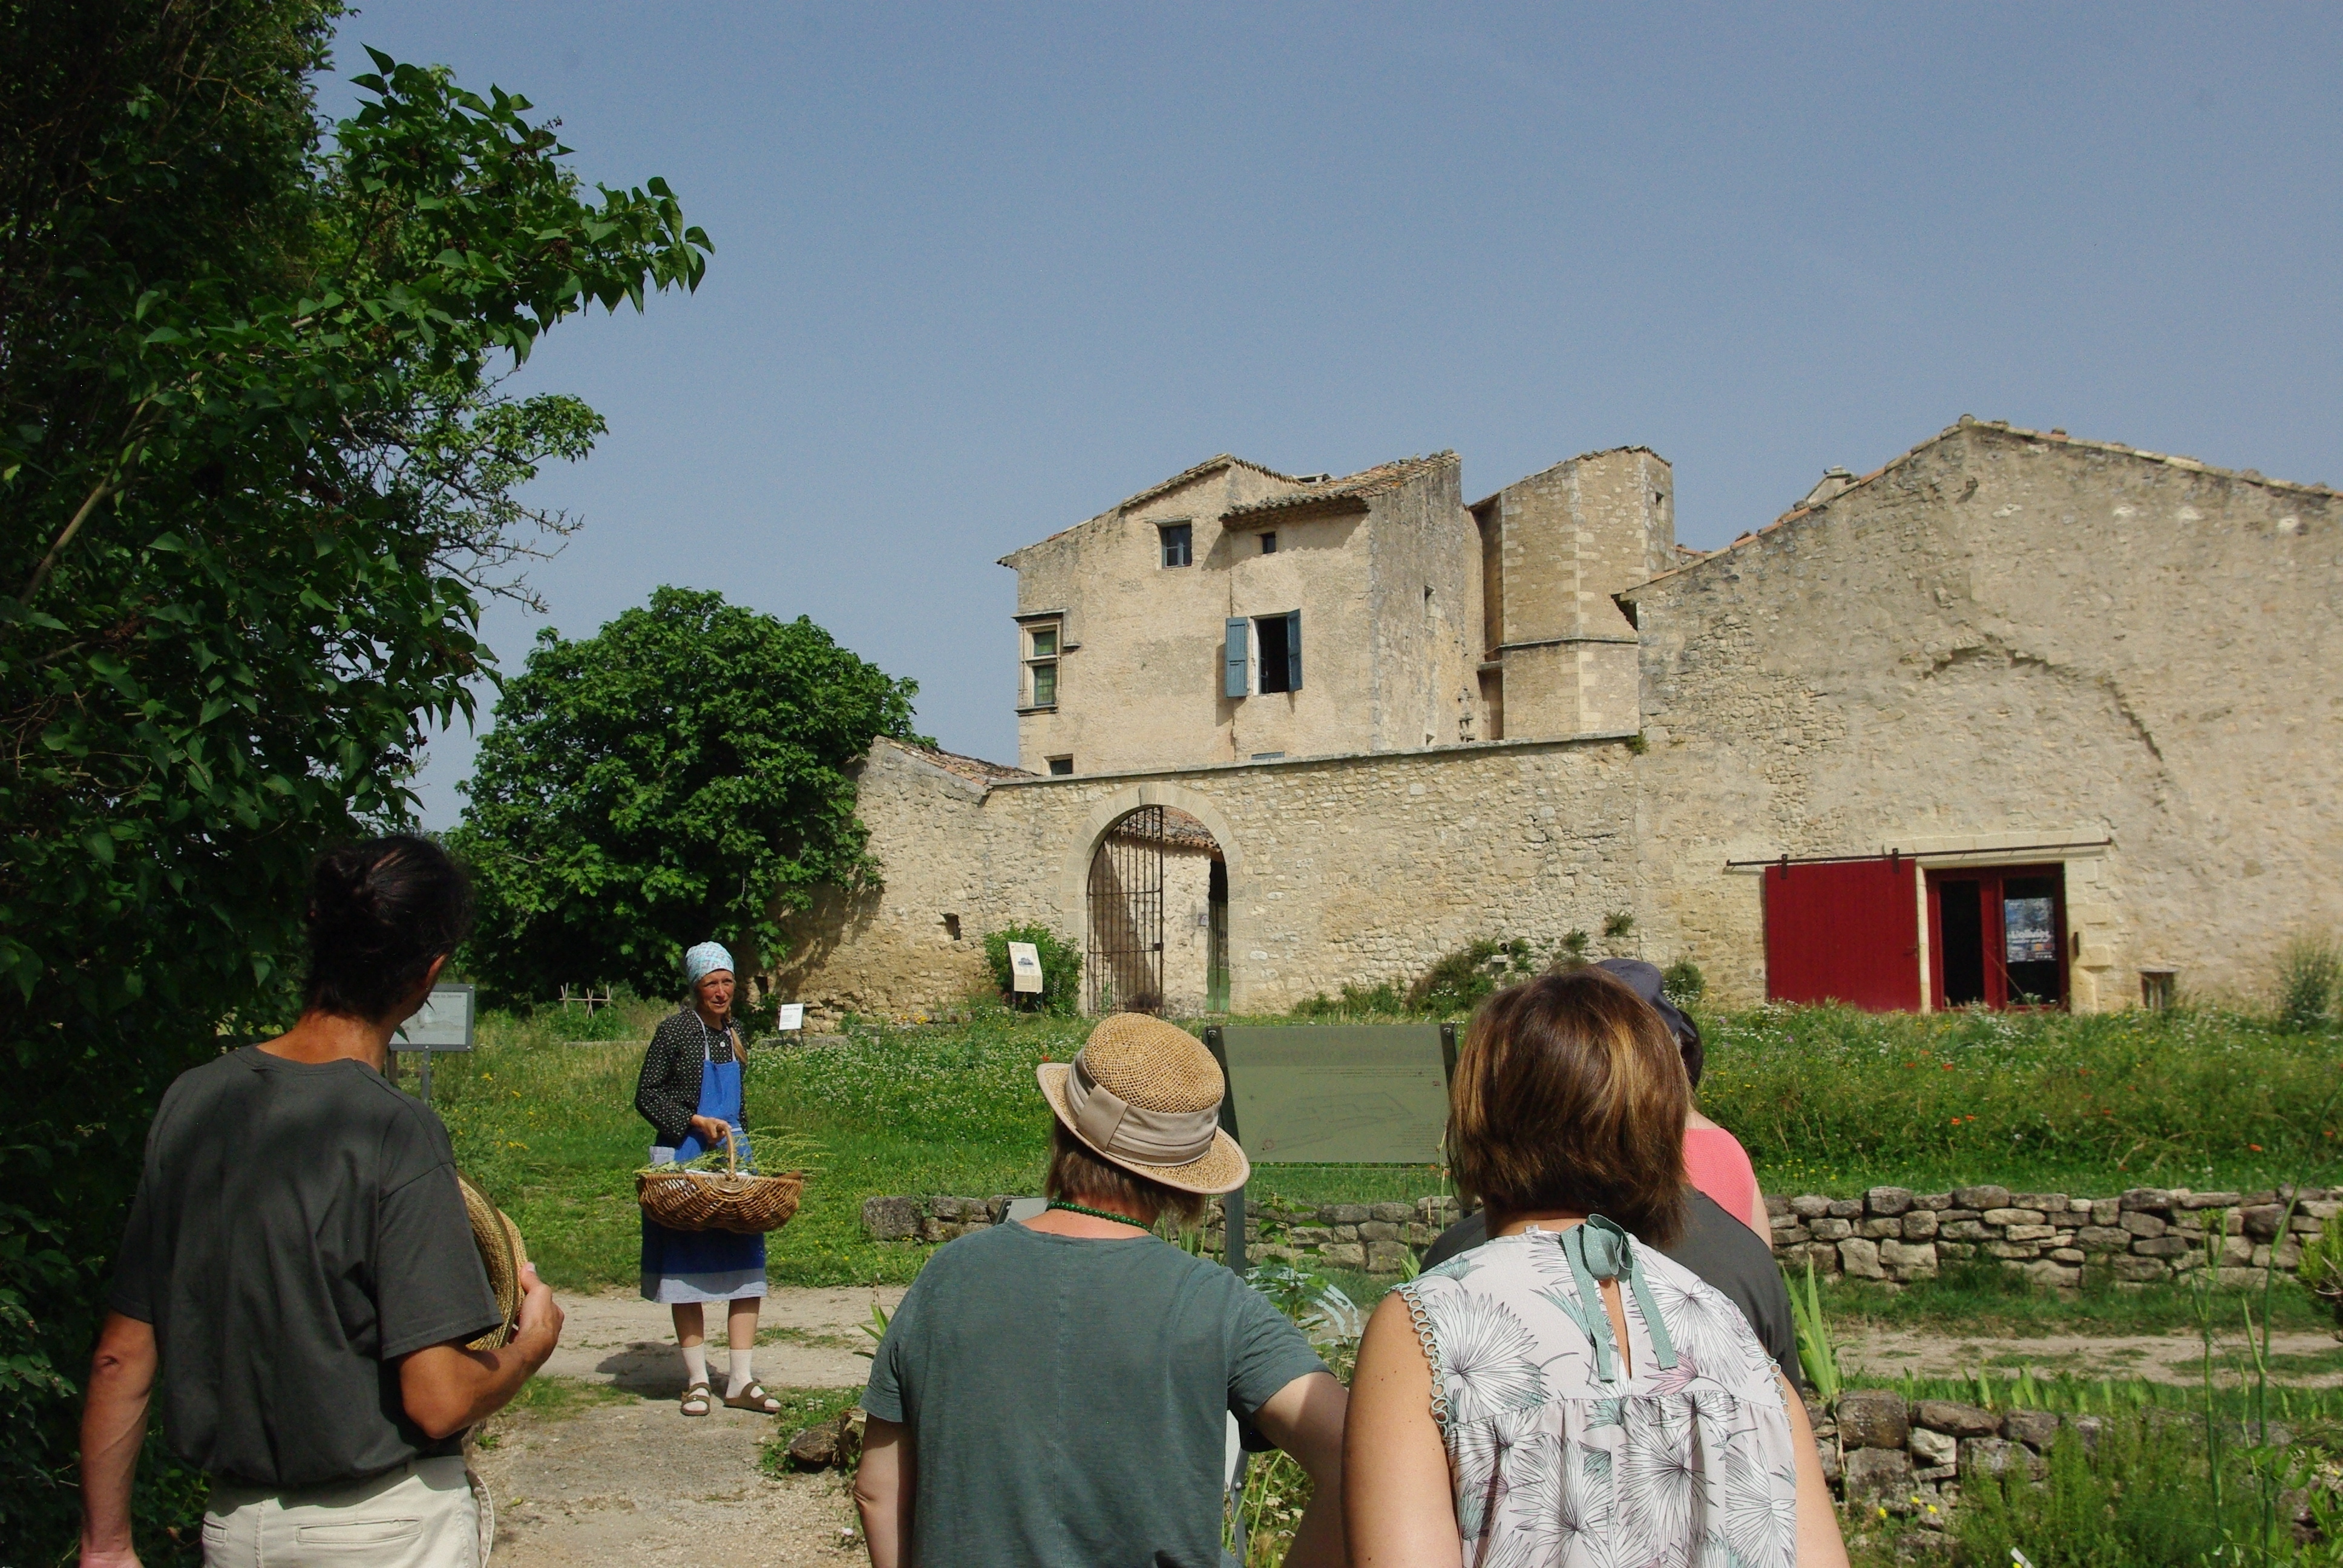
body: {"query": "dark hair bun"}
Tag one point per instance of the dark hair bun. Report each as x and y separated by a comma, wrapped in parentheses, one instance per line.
(379, 913)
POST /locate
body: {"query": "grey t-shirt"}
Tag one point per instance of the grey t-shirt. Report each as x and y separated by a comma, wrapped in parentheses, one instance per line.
(297, 1228)
(1068, 1398)
(1714, 1245)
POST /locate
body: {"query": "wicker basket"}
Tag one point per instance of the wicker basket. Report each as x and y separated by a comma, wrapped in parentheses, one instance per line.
(503, 1255)
(731, 1200)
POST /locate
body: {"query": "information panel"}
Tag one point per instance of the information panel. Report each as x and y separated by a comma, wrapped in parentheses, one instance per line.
(443, 1023)
(1346, 1094)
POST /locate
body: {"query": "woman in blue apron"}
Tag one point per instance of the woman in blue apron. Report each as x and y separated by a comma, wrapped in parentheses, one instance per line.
(689, 1093)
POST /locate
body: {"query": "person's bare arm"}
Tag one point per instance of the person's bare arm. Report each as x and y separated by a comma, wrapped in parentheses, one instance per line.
(1820, 1545)
(449, 1387)
(1760, 1220)
(113, 1429)
(1396, 1497)
(1305, 1418)
(883, 1488)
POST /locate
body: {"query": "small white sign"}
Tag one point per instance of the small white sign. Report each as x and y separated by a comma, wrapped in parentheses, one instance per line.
(1025, 968)
(790, 1016)
(444, 1022)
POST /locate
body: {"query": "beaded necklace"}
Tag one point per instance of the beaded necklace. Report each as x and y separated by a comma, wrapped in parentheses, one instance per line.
(1097, 1214)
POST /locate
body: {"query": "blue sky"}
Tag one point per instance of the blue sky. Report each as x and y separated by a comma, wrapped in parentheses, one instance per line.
(981, 271)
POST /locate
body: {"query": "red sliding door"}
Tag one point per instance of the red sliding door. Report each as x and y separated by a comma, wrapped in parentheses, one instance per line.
(1846, 931)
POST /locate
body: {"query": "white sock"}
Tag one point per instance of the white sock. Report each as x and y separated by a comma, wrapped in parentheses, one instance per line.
(741, 1375)
(695, 1363)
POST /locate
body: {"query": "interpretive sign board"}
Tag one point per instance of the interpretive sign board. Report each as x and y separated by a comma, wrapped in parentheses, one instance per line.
(1340, 1094)
(790, 1015)
(1025, 968)
(443, 1023)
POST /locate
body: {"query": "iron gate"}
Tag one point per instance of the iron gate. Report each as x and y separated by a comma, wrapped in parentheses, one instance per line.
(1124, 967)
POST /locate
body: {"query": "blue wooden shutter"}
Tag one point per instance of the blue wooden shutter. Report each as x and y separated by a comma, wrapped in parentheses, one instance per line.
(1293, 652)
(1239, 654)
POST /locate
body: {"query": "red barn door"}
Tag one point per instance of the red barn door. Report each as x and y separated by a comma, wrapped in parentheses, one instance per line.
(1846, 931)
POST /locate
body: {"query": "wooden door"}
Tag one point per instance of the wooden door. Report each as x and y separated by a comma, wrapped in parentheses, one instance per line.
(1843, 931)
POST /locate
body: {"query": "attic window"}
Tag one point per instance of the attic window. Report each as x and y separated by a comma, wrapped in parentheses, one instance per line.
(1060, 765)
(1179, 543)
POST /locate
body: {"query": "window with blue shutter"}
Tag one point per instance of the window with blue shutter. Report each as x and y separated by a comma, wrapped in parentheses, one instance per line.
(1281, 660)
(1293, 652)
(1238, 653)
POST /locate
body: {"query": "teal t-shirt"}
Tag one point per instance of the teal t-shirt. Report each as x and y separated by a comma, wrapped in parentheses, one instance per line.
(1067, 1399)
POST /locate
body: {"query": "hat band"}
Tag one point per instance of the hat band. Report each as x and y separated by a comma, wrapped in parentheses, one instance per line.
(1114, 1126)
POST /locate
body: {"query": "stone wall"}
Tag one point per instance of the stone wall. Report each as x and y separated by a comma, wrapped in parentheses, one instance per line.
(1891, 1234)
(2002, 639)
(2144, 1235)
(1339, 869)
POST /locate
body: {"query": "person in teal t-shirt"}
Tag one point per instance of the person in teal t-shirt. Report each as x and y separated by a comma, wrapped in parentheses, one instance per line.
(1057, 1390)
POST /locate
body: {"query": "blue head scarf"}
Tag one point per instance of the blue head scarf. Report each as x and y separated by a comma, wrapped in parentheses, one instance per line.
(704, 960)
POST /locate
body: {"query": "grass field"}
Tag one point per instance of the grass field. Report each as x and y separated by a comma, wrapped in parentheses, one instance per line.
(1827, 1100)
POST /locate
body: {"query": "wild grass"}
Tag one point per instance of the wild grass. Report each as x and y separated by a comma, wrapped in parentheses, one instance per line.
(1827, 1100)
(1984, 1300)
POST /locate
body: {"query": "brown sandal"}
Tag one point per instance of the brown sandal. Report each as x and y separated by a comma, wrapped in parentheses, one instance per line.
(700, 1395)
(754, 1397)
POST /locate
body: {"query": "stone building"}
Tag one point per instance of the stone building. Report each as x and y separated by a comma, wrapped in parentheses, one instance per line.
(2015, 719)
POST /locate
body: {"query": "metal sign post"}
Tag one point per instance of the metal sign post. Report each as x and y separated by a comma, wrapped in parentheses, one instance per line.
(444, 1022)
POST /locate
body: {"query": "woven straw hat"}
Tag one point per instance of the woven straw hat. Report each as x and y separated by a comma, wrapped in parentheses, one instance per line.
(502, 1254)
(1146, 1095)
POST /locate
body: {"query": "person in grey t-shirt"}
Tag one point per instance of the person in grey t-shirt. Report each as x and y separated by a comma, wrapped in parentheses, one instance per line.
(298, 1281)
(1058, 1390)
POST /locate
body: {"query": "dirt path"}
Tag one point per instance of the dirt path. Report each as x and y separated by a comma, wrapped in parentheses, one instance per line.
(806, 1338)
(2301, 1359)
(619, 1479)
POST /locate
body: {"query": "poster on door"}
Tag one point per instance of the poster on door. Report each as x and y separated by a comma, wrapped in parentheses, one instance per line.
(2026, 934)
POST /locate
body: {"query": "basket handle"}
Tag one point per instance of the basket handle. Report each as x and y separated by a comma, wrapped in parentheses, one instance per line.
(731, 1153)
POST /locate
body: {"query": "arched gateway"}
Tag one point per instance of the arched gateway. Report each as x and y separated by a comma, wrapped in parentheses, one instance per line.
(1158, 916)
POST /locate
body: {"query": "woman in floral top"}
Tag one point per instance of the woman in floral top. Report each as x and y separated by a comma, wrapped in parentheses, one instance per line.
(1563, 1393)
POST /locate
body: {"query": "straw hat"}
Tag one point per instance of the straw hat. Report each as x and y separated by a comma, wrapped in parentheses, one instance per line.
(1146, 1095)
(504, 1257)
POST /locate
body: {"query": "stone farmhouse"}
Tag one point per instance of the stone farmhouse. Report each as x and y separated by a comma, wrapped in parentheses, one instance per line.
(2015, 720)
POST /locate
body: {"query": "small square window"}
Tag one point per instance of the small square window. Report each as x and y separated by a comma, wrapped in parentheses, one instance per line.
(1060, 765)
(1045, 642)
(1269, 544)
(1179, 540)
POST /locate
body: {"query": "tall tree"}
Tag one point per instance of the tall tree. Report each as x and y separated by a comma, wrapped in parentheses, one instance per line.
(681, 774)
(255, 475)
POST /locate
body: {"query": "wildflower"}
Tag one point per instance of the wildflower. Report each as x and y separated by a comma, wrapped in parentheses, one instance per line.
(2254, 1147)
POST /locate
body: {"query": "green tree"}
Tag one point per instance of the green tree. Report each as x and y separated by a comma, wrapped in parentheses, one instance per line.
(681, 774)
(256, 474)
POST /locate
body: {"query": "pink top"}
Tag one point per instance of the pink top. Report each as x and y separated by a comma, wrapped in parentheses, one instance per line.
(1720, 1167)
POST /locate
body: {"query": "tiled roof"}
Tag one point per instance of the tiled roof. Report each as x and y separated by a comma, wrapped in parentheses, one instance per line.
(1350, 493)
(973, 768)
(1212, 465)
(1599, 452)
(2050, 438)
(1190, 475)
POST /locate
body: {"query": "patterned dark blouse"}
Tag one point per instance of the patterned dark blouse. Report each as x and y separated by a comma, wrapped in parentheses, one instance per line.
(667, 1092)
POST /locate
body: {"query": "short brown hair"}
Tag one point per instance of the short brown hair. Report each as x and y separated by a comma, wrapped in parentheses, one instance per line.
(1079, 1176)
(1569, 1094)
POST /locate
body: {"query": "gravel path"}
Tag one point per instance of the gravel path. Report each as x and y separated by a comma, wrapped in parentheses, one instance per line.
(629, 1480)
(2174, 1358)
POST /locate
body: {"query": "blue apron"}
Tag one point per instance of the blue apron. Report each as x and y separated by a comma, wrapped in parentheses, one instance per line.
(705, 1265)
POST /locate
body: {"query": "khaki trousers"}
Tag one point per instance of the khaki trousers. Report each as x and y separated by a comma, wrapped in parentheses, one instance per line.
(423, 1514)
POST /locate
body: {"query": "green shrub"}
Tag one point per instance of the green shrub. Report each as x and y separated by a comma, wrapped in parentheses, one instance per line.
(1383, 1000)
(2309, 976)
(573, 1023)
(1683, 983)
(1062, 969)
(1459, 981)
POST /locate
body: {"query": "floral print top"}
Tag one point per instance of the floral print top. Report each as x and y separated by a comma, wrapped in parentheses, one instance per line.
(1558, 1456)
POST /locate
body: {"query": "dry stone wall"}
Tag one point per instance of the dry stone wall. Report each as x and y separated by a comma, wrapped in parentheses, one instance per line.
(1890, 1234)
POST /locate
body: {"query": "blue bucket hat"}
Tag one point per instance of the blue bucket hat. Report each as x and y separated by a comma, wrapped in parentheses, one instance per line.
(704, 960)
